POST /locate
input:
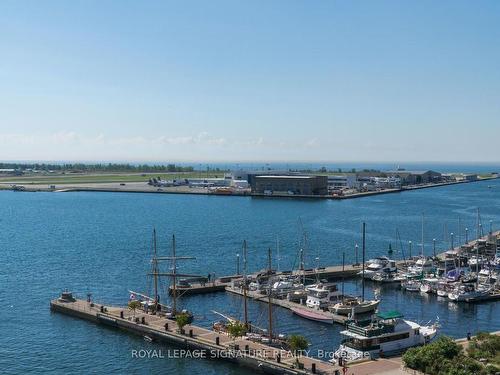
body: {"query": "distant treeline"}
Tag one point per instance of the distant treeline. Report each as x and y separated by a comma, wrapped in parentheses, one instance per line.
(110, 167)
(335, 170)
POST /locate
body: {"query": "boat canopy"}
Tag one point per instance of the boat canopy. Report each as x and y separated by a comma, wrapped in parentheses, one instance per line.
(393, 314)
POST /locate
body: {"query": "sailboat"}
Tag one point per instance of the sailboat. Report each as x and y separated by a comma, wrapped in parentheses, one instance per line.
(353, 305)
(172, 312)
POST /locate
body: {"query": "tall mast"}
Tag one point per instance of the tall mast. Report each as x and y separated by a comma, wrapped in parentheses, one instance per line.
(478, 226)
(269, 296)
(363, 279)
(422, 234)
(245, 308)
(459, 231)
(174, 274)
(478, 236)
(343, 269)
(277, 253)
(155, 269)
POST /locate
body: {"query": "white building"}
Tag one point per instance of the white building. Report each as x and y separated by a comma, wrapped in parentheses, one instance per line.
(341, 182)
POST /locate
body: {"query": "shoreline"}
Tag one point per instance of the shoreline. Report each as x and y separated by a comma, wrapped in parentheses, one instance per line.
(143, 188)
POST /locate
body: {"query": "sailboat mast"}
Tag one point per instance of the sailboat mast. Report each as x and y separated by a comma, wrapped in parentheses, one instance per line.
(174, 271)
(422, 234)
(363, 260)
(269, 296)
(478, 235)
(245, 307)
(278, 253)
(343, 270)
(155, 269)
(478, 229)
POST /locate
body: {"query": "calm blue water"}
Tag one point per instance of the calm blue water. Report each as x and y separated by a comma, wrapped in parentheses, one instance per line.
(100, 242)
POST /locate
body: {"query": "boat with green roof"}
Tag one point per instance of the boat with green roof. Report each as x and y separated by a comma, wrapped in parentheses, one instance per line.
(383, 334)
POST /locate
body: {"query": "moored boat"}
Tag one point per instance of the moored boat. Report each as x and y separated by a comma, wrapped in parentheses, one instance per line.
(383, 334)
(354, 305)
(313, 314)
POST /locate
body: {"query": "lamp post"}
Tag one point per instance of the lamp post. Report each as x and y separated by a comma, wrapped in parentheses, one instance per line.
(466, 235)
(451, 235)
(237, 264)
(409, 245)
(434, 246)
(491, 227)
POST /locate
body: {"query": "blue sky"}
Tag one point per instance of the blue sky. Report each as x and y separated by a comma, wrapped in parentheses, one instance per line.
(250, 80)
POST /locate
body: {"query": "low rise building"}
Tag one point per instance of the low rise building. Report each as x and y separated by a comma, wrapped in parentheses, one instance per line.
(415, 177)
(290, 184)
(341, 182)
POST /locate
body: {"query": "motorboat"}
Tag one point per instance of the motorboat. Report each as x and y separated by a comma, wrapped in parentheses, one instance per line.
(477, 262)
(321, 295)
(354, 306)
(285, 285)
(411, 285)
(429, 285)
(388, 277)
(376, 265)
(444, 288)
(422, 265)
(487, 275)
(467, 292)
(384, 334)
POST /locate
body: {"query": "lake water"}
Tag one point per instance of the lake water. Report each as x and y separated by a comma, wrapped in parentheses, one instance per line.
(101, 242)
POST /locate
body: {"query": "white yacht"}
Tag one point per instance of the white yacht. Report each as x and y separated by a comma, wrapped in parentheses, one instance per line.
(388, 277)
(421, 266)
(487, 275)
(354, 305)
(429, 285)
(444, 288)
(468, 292)
(321, 295)
(384, 334)
(477, 262)
(379, 264)
(411, 285)
(285, 285)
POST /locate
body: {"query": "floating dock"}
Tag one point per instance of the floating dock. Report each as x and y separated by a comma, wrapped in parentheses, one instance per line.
(326, 315)
(204, 342)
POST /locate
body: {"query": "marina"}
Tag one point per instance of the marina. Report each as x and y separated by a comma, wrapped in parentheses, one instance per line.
(456, 318)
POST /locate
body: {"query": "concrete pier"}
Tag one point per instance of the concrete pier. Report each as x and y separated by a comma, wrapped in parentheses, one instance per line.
(209, 344)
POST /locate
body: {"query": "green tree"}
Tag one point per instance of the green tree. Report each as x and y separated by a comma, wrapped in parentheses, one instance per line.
(181, 320)
(134, 305)
(297, 344)
(236, 329)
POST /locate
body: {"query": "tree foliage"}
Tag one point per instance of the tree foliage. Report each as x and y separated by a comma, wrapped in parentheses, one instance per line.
(181, 320)
(134, 305)
(445, 357)
(99, 167)
(297, 344)
(236, 329)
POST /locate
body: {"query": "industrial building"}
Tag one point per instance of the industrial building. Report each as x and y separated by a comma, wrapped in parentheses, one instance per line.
(415, 177)
(291, 184)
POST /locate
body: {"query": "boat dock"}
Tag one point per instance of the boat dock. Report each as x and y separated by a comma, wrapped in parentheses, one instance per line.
(312, 274)
(341, 319)
(203, 342)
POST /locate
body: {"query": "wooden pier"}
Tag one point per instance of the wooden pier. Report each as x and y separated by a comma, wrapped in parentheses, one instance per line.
(206, 343)
(341, 319)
